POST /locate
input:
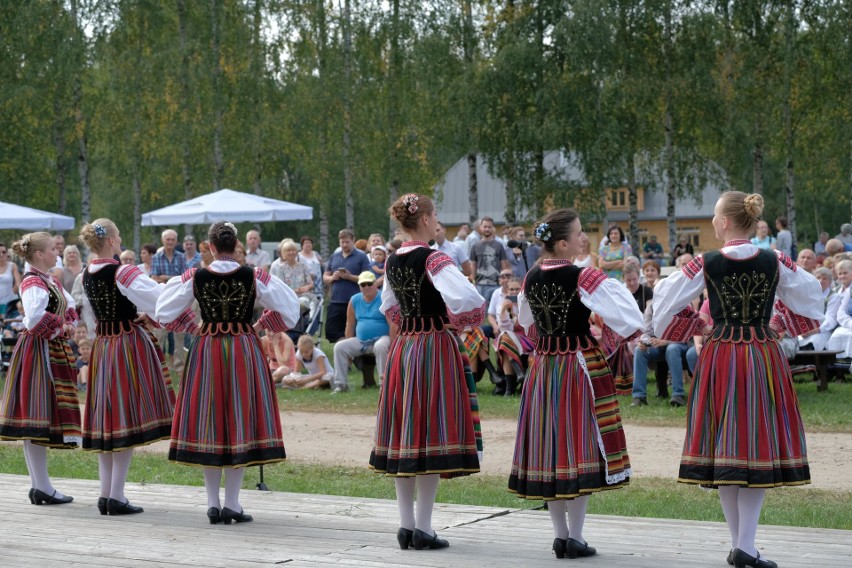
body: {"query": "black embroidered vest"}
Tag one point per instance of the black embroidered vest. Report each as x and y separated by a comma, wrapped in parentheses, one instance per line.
(56, 300)
(421, 306)
(225, 299)
(741, 294)
(113, 311)
(561, 319)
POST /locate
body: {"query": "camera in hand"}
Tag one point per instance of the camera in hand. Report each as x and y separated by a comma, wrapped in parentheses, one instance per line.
(513, 244)
(513, 298)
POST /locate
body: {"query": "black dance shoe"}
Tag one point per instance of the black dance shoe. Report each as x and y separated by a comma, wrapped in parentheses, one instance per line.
(116, 507)
(32, 499)
(403, 537)
(741, 560)
(213, 515)
(730, 559)
(41, 498)
(421, 540)
(578, 549)
(560, 547)
(102, 505)
(228, 515)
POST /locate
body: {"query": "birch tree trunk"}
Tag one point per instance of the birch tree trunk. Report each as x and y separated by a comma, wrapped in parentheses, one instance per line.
(789, 138)
(137, 213)
(59, 150)
(671, 195)
(218, 112)
(80, 128)
(632, 204)
(184, 123)
(472, 187)
(347, 115)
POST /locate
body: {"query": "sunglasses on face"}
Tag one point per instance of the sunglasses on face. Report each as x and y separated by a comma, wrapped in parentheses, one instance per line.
(365, 284)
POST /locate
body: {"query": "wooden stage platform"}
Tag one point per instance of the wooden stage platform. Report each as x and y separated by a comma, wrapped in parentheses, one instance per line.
(295, 530)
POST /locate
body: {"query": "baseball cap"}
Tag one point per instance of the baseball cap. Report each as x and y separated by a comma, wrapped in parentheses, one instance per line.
(366, 277)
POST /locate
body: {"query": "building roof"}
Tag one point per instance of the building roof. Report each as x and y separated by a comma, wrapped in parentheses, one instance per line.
(454, 206)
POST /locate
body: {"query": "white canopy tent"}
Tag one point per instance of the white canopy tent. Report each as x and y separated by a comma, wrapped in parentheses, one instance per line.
(227, 205)
(26, 218)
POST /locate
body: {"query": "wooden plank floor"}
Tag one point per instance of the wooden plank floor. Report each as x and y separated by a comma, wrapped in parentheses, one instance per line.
(320, 530)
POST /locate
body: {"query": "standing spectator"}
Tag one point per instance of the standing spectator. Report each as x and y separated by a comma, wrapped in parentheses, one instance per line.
(375, 240)
(453, 250)
(256, 256)
(72, 266)
(313, 260)
(845, 235)
(763, 240)
(367, 331)
(342, 273)
(297, 276)
(190, 251)
(10, 279)
(613, 254)
(146, 255)
(585, 257)
(521, 258)
(819, 246)
(475, 235)
(652, 250)
(682, 247)
(784, 238)
(487, 258)
(59, 247)
(461, 236)
(167, 263)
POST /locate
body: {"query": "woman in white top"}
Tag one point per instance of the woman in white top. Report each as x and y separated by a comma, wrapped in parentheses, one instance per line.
(841, 337)
(10, 279)
(309, 358)
(314, 262)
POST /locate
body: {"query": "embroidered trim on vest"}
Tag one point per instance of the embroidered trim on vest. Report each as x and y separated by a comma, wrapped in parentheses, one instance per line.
(590, 279)
(225, 328)
(437, 261)
(425, 324)
(693, 267)
(561, 344)
(127, 274)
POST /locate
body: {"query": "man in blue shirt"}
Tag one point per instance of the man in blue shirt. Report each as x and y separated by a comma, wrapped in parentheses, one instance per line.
(341, 275)
(367, 331)
(190, 252)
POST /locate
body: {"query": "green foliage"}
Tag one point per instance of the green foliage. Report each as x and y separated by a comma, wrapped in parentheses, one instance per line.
(593, 79)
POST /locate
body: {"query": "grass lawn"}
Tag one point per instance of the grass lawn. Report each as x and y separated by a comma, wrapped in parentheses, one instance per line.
(642, 498)
(821, 411)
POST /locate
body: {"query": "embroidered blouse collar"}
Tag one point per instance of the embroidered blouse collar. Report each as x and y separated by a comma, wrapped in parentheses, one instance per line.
(412, 244)
(104, 261)
(550, 263)
(736, 242)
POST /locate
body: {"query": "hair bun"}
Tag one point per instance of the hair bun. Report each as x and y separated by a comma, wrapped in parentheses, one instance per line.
(753, 205)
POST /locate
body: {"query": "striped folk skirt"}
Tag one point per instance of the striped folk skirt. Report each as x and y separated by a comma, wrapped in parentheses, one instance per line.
(129, 400)
(40, 399)
(424, 424)
(227, 411)
(621, 363)
(570, 440)
(743, 425)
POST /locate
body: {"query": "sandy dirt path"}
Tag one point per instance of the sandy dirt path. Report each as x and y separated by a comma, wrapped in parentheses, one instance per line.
(345, 439)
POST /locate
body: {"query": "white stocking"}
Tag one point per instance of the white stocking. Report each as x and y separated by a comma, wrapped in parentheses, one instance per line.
(212, 481)
(749, 503)
(577, 516)
(728, 497)
(405, 501)
(27, 460)
(120, 467)
(427, 490)
(558, 518)
(37, 464)
(233, 482)
(105, 473)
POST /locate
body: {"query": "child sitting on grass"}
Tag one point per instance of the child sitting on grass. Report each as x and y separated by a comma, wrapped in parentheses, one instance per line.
(313, 369)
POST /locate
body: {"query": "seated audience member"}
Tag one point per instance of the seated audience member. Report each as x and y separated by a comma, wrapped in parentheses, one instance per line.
(652, 250)
(841, 337)
(651, 271)
(651, 348)
(641, 293)
(476, 340)
(81, 332)
(85, 348)
(513, 346)
(682, 247)
(280, 354)
(367, 331)
(127, 257)
(818, 339)
(312, 370)
(833, 247)
(698, 340)
(807, 260)
(620, 356)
